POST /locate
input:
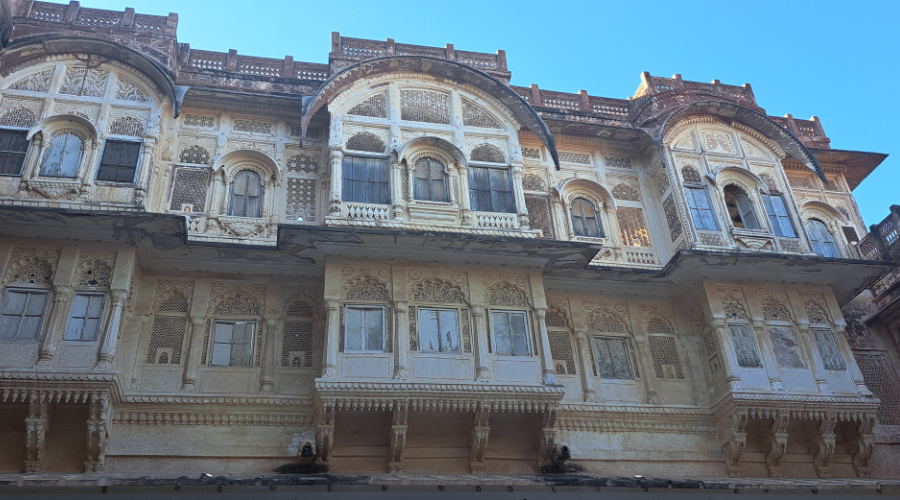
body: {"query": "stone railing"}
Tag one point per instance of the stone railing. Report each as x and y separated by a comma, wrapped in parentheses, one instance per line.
(883, 240)
(231, 62)
(640, 255)
(364, 211)
(492, 220)
(808, 130)
(359, 49)
(580, 102)
(73, 14)
(655, 85)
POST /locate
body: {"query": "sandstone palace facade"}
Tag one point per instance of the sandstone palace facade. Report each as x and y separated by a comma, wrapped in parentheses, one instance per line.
(399, 263)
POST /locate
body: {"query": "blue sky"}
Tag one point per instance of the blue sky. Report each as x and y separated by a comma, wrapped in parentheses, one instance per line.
(837, 60)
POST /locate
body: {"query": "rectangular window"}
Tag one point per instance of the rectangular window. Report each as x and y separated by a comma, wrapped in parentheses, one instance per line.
(232, 343)
(490, 190)
(119, 161)
(744, 345)
(831, 358)
(701, 208)
(21, 312)
(13, 146)
(438, 330)
(84, 317)
(364, 329)
(510, 333)
(778, 216)
(611, 358)
(366, 180)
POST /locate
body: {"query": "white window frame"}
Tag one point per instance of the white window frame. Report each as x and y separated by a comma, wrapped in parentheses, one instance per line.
(527, 333)
(80, 337)
(214, 342)
(361, 307)
(420, 322)
(40, 327)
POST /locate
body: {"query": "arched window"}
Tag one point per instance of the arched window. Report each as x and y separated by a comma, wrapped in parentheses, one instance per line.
(584, 219)
(246, 195)
(740, 210)
(821, 238)
(63, 156)
(431, 181)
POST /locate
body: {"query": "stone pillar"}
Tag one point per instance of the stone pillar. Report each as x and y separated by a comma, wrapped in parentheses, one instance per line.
(396, 177)
(726, 347)
(30, 169)
(521, 210)
(142, 184)
(332, 338)
(768, 353)
(37, 426)
(587, 367)
(56, 324)
(401, 340)
(194, 354)
(98, 413)
(334, 197)
(548, 376)
(645, 360)
(465, 202)
(110, 341)
(482, 371)
(481, 431)
(267, 371)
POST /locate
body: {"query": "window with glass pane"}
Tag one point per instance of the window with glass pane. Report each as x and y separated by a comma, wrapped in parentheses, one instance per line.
(364, 329)
(232, 343)
(62, 157)
(510, 333)
(119, 161)
(822, 241)
(584, 219)
(21, 312)
(740, 210)
(246, 195)
(84, 317)
(438, 330)
(366, 180)
(13, 147)
(701, 209)
(831, 358)
(778, 216)
(744, 345)
(490, 190)
(611, 358)
(431, 181)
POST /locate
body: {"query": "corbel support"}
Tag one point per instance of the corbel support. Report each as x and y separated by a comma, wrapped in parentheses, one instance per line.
(324, 432)
(98, 416)
(481, 430)
(548, 436)
(824, 446)
(399, 427)
(737, 442)
(865, 445)
(778, 445)
(37, 426)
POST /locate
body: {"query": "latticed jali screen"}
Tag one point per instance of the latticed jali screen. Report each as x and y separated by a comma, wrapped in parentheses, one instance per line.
(296, 345)
(301, 199)
(561, 350)
(666, 363)
(189, 187)
(167, 333)
(424, 106)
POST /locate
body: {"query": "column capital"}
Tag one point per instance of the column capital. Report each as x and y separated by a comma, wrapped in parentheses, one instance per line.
(477, 311)
(401, 305)
(332, 304)
(119, 295)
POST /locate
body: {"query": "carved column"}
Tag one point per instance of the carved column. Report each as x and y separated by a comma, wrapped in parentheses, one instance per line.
(399, 427)
(396, 174)
(143, 181)
(765, 342)
(37, 426)
(401, 340)
(56, 325)
(521, 210)
(726, 346)
(737, 442)
(334, 197)
(587, 367)
(481, 430)
(823, 448)
(324, 432)
(645, 362)
(465, 201)
(482, 371)
(110, 341)
(195, 346)
(865, 445)
(778, 445)
(549, 376)
(98, 414)
(332, 337)
(267, 377)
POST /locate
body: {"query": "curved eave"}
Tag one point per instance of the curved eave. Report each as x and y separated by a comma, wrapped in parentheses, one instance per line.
(441, 68)
(751, 118)
(20, 52)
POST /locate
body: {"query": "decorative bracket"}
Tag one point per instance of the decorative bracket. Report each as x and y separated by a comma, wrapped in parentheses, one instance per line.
(324, 432)
(737, 443)
(98, 416)
(399, 426)
(778, 446)
(824, 447)
(865, 445)
(479, 439)
(37, 426)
